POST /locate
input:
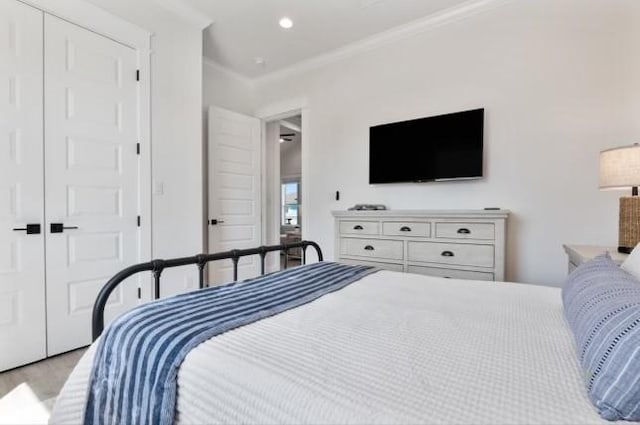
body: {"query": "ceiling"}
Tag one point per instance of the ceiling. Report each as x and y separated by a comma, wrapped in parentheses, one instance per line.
(244, 30)
(290, 129)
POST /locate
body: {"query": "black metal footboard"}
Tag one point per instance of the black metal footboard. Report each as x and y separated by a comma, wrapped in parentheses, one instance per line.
(157, 266)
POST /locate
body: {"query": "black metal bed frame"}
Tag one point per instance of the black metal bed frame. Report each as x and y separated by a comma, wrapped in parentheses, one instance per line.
(157, 266)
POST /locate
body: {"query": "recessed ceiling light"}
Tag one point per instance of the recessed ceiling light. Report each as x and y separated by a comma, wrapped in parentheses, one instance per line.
(285, 23)
(260, 61)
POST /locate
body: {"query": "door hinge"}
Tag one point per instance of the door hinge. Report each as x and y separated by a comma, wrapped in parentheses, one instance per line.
(138, 148)
(138, 221)
(139, 293)
(137, 75)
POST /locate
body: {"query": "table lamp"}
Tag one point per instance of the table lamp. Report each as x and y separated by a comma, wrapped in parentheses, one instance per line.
(620, 169)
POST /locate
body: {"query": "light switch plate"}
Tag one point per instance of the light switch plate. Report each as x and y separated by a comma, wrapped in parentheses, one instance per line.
(158, 188)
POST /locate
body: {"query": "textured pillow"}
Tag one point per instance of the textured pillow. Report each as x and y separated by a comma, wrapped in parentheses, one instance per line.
(602, 306)
(632, 262)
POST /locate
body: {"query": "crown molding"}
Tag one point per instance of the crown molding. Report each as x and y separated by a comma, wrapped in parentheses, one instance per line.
(435, 20)
(186, 12)
(227, 71)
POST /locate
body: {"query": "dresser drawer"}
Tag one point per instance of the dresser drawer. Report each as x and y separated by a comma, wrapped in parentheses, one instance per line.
(451, 253)
(359, 228)
(383, 266)
(373, 248)
(406, 228)
(484, 231)
(451, 273)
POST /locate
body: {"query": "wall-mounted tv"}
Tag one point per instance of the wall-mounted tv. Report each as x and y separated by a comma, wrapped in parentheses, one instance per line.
(443, 147)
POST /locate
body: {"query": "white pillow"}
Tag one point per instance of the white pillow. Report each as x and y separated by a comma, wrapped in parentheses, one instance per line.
(632, 263)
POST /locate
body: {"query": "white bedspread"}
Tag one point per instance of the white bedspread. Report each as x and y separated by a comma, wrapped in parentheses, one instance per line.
(391, 348)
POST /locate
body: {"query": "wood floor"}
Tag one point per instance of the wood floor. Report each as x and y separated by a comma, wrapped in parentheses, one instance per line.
(34, 387)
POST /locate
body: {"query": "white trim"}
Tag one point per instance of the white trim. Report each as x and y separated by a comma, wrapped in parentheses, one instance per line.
(280, 110)
(304, 177)
(97, 20)
(186, 12)
(226, 71)
(435, 20)
(145, 197)
(290, 125)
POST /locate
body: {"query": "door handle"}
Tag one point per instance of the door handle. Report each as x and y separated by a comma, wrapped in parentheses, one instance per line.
(405, 229)
(215, 222)
(31, 229)
(369, 248)
(358, 227)
(60, 227)
(464, 231)
(447, 254)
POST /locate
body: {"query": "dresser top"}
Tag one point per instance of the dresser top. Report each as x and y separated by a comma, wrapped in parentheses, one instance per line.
(425, 213)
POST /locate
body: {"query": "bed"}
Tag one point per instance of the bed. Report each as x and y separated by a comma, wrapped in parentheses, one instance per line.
(389, 348)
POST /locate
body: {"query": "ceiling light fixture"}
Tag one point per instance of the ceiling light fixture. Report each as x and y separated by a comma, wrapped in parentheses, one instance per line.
(285, 22)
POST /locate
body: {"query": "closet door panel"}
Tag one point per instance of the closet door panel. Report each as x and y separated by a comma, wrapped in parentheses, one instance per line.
(91, 177)
(22, 281)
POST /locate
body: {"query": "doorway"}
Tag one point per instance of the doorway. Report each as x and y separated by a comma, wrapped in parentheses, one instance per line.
(290, 142)
(283, 172)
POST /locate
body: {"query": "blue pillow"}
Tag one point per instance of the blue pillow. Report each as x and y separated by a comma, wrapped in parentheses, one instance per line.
(602, 306)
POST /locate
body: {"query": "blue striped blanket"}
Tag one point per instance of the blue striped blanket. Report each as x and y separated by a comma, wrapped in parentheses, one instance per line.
(134, 375)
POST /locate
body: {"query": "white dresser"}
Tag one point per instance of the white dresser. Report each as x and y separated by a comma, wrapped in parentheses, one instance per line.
(460, 244)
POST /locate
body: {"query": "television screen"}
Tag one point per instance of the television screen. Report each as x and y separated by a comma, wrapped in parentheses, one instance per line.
(443, 147)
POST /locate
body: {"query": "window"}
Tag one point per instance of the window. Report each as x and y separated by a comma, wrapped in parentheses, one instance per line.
(290, 205)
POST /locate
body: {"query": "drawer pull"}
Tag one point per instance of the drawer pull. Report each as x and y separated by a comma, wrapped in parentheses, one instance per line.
(464, 231)
(447, 254)
(358, 227)
(405, 229)
(369, 248)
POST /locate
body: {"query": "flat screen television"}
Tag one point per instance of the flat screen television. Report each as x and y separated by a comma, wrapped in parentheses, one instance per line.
(444, 147)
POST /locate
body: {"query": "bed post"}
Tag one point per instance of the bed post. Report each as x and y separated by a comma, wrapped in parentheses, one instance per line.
(201, 263)
(235, 257)
(158, 266)
(263, 255)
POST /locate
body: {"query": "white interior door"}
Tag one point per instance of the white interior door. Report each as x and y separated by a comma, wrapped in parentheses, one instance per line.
(91, 177)
(234, 191)
(22, 284)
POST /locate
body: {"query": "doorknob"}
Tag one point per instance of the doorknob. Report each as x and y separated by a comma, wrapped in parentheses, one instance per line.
(215, 222)
(31, 229)
(60, 227)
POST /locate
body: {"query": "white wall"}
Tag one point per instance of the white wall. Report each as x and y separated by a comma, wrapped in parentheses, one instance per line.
(291, 159)
(176, 133)
(271, 207)
(226, 90)
(559, 80)
(177, 147)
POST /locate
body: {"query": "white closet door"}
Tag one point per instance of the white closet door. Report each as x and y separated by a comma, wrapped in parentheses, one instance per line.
(91, 177)
(234, 192)
(22, 293)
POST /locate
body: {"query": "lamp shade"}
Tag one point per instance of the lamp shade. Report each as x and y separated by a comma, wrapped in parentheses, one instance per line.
(620, 167)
